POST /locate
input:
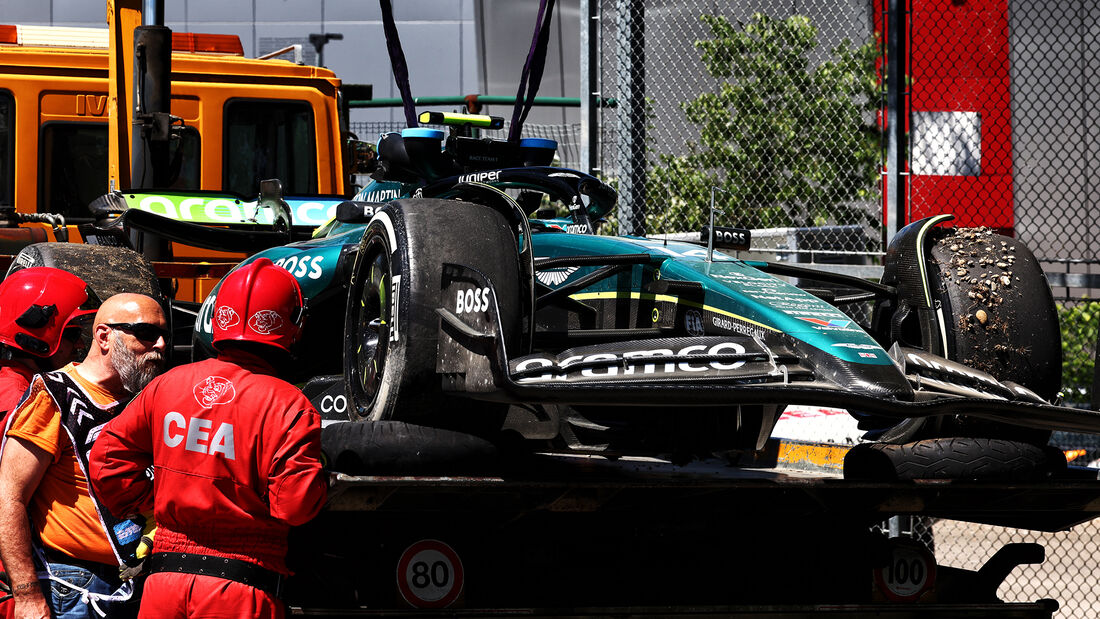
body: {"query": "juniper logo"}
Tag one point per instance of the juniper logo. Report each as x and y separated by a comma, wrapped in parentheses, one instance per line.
(480, 177)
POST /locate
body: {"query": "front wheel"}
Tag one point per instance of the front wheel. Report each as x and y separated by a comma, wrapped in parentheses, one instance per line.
(1000, 318)
(391, 327)
(996, 314)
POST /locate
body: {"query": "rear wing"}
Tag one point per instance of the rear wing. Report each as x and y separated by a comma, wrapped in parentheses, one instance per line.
(211, 220)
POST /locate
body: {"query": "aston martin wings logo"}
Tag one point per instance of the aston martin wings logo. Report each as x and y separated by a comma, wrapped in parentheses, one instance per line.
(555, 277)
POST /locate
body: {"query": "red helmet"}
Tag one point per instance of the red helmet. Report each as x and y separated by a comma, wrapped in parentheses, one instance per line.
(37, 304)
(259, 302)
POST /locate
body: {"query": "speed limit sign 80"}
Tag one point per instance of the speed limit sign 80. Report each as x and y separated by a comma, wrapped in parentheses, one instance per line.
(429, 574)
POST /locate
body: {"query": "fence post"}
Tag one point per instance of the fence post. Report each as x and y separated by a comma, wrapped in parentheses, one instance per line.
(1096, 374)
(590, 94)
(894, 207)
(630, 137)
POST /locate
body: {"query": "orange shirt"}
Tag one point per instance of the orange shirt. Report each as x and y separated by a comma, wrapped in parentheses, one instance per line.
(62, 510)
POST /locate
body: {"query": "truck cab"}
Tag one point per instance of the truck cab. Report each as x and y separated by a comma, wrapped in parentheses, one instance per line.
(241, 120)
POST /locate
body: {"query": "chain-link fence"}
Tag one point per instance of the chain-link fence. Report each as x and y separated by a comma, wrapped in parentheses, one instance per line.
(780, 113)
(1068, 573)
(768, 109)
(1004, 134)
(1004, 125)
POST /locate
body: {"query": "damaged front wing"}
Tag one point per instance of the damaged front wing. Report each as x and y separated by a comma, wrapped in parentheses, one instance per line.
(716, 370)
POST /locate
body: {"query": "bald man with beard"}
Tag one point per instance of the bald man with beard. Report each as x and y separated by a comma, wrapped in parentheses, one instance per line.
(41, 473)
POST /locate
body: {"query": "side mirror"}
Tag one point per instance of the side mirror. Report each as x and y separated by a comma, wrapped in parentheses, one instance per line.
(353, 212)
(271, 196)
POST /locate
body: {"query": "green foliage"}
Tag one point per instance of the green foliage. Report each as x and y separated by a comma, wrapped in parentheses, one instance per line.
(1079, 330)
(787, 141)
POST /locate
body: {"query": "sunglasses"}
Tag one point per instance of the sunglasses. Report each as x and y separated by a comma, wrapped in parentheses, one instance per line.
(141, 330)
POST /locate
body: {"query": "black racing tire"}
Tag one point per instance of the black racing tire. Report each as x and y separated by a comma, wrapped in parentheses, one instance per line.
(998, 308)
(1000, 318)
(396, 447)
(953, 458)
(391, 326)
(107, 270)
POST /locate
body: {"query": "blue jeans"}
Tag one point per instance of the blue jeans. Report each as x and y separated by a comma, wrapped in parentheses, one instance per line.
(65, 601)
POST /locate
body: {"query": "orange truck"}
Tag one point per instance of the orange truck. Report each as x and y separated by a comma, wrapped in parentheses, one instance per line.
(66, 125)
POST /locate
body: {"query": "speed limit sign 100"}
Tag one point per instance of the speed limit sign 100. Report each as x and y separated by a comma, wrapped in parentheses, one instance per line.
(909, 572)
(429, 574)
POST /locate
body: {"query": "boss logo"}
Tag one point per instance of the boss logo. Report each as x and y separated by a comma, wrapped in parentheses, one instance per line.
(734, 238)
(302, 266)
(472, 300)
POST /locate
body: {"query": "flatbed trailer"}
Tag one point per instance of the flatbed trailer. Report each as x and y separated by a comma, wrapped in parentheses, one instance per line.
(585, 536)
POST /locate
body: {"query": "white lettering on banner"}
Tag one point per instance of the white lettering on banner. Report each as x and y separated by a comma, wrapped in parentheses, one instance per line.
(472, 300)
(730, 236)
(234, 213)
(306, 216)
(173, 419)
(334, 404)
(480, 177)
(632, 362)
(198, 430)
(382, 195)
(166, 207)
(185, 207)
(198, 435)
(856, 346)
(302, 266)
(395, 308)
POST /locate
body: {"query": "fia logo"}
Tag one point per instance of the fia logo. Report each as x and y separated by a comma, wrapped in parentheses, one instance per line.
(693, 323)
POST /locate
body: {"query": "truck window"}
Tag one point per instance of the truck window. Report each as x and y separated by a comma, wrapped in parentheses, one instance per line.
(184, 153)
(7, 143)
(73, 165)
(269, 139)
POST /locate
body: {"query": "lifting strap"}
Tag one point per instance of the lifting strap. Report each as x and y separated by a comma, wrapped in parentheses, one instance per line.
(397, 61)
(529, 80)
(532, 69)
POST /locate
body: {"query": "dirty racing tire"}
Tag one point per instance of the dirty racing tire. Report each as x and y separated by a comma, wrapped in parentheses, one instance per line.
(999, 317)
(396, 447)
(998, 308)
(107, 270)
(391, 326)
(953, 458)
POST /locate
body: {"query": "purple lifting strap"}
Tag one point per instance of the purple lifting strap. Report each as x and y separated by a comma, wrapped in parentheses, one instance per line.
(536, 61)
(397, 61)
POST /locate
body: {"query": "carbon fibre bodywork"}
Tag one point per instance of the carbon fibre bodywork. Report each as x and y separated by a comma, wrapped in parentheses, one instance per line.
(626, 323)
(614, 325)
